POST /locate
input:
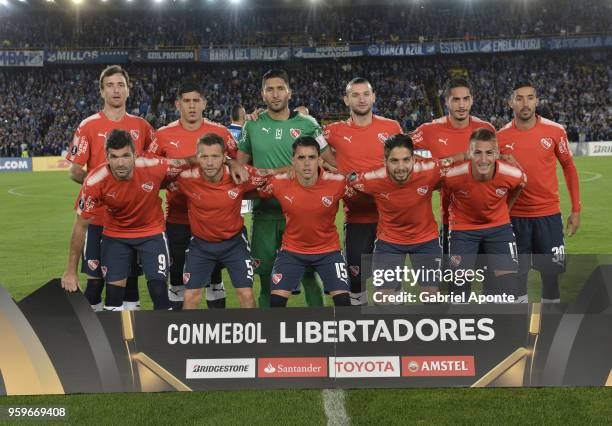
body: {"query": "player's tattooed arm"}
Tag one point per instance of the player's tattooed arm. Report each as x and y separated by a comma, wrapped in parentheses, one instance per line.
(77, 173)
(70, 278)
(457, 158)
(330, 160)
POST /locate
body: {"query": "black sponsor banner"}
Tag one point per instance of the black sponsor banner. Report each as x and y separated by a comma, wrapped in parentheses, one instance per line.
(56, 344)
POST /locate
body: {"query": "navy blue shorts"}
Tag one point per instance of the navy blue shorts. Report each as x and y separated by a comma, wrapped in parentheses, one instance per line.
(118, 256)
(289, 268)
(425, 257)
(203, 256)
(90, 261)
(497, 243)
(359, 240)
(543, 238)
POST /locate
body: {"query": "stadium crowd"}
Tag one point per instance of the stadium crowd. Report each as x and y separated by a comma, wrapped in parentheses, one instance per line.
(417, 20)
(41, 108)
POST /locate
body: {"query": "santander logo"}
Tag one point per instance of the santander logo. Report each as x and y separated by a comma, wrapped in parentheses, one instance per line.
(292, 367)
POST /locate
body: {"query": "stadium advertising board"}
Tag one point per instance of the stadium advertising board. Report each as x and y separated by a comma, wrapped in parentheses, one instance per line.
(556, 43)
(403, 49)
(22, 58)
(347, 51)
(490, 46)
(57, 344)
(598, 149)
(50, 164)
(189, 55)
(15, 164)
(87, 56)
(245, 54)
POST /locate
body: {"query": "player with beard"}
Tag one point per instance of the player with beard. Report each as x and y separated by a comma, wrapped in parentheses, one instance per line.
(359, 145)
(126, 190)
(402, 190)
(267, 143)
(449, 135)
(178, 140)
(537, 144)
(86, 153)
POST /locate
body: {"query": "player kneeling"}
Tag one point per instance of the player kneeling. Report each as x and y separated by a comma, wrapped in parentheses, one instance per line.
(219, 236)
(310, 203)
(482, 192)
(128, 188)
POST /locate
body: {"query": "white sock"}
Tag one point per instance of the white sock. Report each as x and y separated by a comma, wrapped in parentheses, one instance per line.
(98, 307)
(215, 291)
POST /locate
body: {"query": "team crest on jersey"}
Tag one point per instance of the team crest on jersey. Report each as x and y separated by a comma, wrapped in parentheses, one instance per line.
(382, 137)
(104, 270)
(233, 193)
(327, 200)
(93, 264)
(500, 192)
(354, 270)
(326, 133)
(134, 134)
(255, 262)
(423, 190)
(186, 277)
(546, 142)
(295, 133)
(276, 278)
(148, 186)
(455, 260)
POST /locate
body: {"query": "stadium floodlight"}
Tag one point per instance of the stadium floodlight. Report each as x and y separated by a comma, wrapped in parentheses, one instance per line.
(4, 3)
(77, 1)
(235, 1)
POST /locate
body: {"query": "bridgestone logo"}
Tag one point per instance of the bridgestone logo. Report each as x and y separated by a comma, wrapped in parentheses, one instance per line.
(223, 368)
(219, 368)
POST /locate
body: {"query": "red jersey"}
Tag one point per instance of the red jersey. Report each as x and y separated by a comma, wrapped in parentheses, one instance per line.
(406, 216)
(133, 206)
(214, 208)
(174, 141)
(87, 148)
(479, 205)
(310, 212)
(443, 140)
(359, 149)
(537, 151)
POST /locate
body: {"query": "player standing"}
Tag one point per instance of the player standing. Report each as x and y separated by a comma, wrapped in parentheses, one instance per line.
(481, 193)
(359, 145)
(127, 190)
(309, 203)
(267, 143)
(87, 152)
(178, 140)
(402, 191)
(450, 135)
(537, 144)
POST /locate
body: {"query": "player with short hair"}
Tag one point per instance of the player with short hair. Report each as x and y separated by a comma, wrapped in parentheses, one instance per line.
(238, 117)
(537, 144)
(87, 152)
(219, 236)
(267, 143)
(359, 146)
(402, 190)
(309, 203)
(482, 191)
(450, 135)
(127, 189)
(178, 140)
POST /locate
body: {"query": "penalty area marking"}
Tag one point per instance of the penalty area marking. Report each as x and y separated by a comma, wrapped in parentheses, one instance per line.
(335, 410)
(594, 176)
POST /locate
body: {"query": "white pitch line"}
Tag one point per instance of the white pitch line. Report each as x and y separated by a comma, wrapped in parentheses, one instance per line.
(13, 191)
(594, 176)
(335, 410)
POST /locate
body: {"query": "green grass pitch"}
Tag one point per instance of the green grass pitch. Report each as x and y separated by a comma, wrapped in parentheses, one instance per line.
(36, 211)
